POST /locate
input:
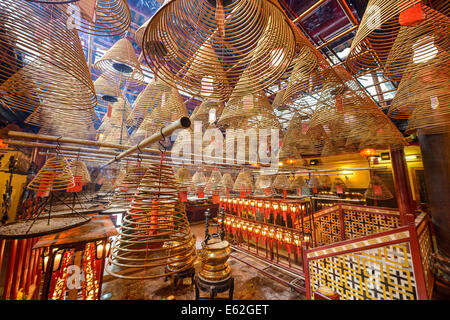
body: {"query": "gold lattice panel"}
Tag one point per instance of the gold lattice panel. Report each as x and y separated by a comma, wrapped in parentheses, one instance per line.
(359, 224)
(327, 228)
(384, 273)
(426, 250)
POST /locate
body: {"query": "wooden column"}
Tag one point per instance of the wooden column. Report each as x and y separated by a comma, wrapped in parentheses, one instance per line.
(436, 162)
(402, 184)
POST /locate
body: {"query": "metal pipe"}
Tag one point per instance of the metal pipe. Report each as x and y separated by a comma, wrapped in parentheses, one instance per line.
(27, 135)
(344, 33)
(183, 122)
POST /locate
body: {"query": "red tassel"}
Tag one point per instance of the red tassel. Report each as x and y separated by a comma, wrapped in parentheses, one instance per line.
(299, 191)
(285, 216)
(412, 16)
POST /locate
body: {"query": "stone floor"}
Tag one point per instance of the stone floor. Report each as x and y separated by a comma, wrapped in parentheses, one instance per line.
(249, 284)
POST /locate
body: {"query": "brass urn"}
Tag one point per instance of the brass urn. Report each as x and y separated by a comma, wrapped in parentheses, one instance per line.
(214, 256)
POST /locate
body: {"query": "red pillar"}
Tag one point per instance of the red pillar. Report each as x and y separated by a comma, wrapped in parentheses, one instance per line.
(10, 269)
(402, 184)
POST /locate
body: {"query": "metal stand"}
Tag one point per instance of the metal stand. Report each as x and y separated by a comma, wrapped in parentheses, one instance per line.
(188, 273)
(214, 288)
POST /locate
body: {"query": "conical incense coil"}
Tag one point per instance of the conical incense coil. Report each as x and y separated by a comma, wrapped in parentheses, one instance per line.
(155, 238)
(227, 38)
(207, 112)
(120, 111)
(199, 179)
(46, 116)
(55, 175)
(79, 169)
(263, 185)
(120, 64)
(214, 184)
(126, 187)
(183, 176)
(338, 186)
(55, 66)
(377, 190)
(97, 17)
(424, 97)
(227, 181)
(107, 90)
(155, 94)
(391, 35)
(325, 181)
(281, 183)
(313, 182)
(243, 182)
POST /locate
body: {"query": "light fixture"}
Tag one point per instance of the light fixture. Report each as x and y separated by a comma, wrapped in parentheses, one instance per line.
(100, 247)
(368, 152)
(347, 172)
(411, 157)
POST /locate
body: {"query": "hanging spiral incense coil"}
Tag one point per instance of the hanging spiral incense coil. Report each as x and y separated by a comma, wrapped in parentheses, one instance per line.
(243, 182)
(313, 182)
(281, 183)
(97, 17)
(207, 112)
(52, 64)
(155, 95)
(203, 47)
(214, 184)
(297, 183)
(79, 169)
(377, 190)
(155, 232)
(423, 96)
(227, 181)
(107, 90)
(199, 179)
(338, 182)
(126, 186)
(325, 181)
(395, 34)
(250, 111)
(263, 185)
(121, 65)
(55, 175)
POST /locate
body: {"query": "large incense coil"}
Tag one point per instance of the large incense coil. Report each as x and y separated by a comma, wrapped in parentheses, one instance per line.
(325, 181)
(263, 185)
(242, 34)
(424, 97)
(389, 38)
(214, 184)
(298, 182)
(96, 17)
(338, 182)
(295, 141)
(55, 175)
(207, 112)
(377, 190)
(243, 182)
(313, 182)
(126, 186)
(227, 181)
(116, 135)
(120, 64)
(199, 179)
(120, 112)
(52, 63)
(107, 90)
(155, 94)
(250, 112)
(84, 131)
(281, 182)
(79, 169)
(139, 34)
(155, 238)
(183, 176)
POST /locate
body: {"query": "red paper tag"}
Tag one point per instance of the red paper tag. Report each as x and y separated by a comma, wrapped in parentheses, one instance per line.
(339, 189)
(284, 193)
(215, 198)
(228, 192)
(314, 190)
(108, 114)
(412, 16)
(299, 191)
(46, 181)
(183, 195)
(78, 185)
(200, 193)
(377, 190)
(243, 193)
(267, 191)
